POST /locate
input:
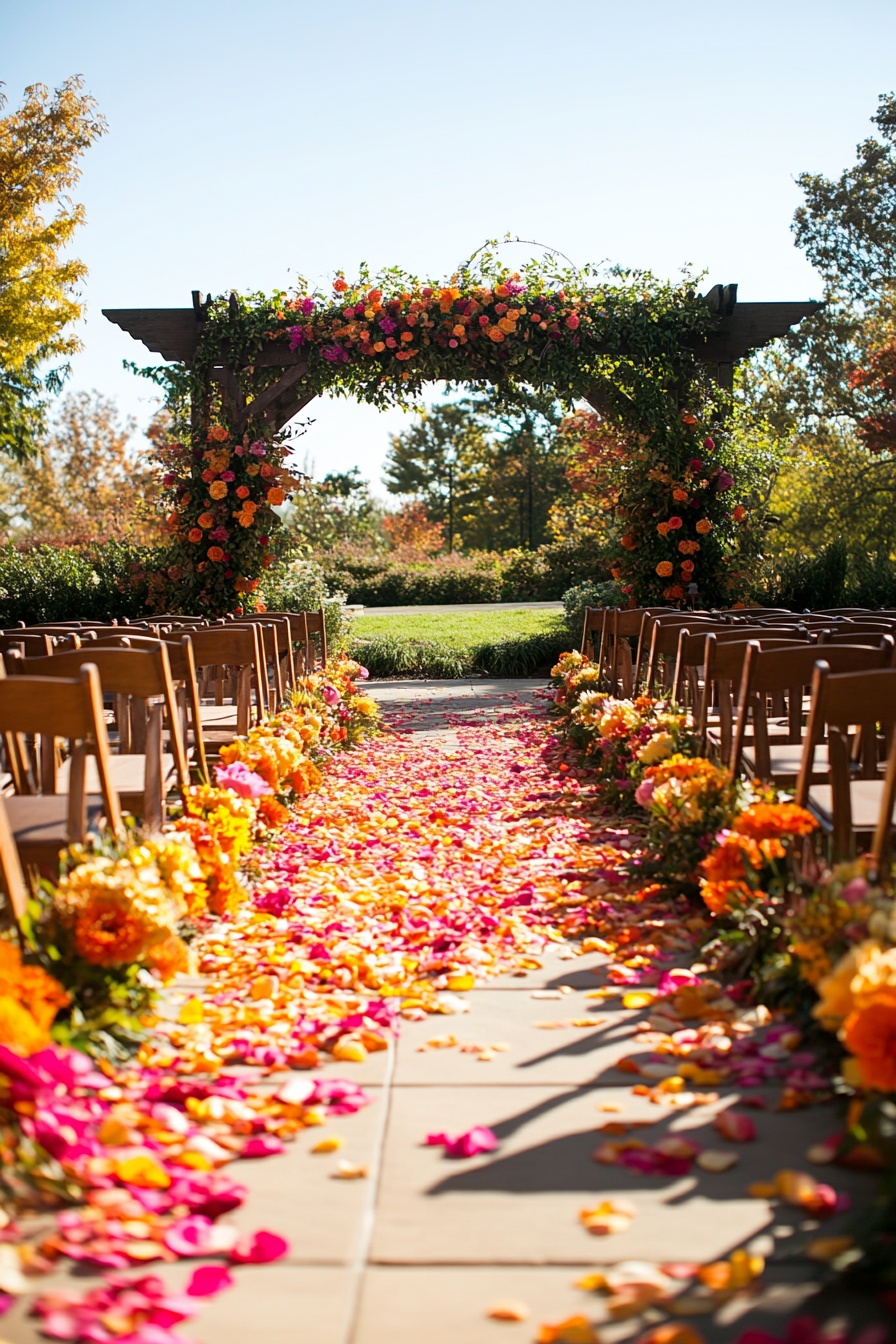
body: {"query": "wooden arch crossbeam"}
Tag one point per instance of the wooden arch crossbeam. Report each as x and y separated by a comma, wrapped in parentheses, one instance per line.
(174, 334)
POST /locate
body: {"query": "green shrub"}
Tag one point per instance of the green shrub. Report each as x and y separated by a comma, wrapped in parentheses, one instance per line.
(521, 655)
(588, 594)
(526, 576)
(296, 583)
(447, 579)
(62, 583)
(392, 656)
(837, 575)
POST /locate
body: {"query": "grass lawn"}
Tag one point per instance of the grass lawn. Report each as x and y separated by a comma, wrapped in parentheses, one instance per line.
(463, 630)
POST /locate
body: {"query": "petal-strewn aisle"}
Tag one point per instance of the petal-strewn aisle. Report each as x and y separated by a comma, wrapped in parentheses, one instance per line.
(421, 931)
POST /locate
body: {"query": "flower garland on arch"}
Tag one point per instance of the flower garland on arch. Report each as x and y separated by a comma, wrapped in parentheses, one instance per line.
(628, 344)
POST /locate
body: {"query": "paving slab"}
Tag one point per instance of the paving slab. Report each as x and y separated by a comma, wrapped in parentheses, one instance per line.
(521, 1204)
(297, 1194)
(276, 1304)
(550, 1054)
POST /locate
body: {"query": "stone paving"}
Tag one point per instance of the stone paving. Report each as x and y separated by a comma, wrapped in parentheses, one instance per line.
(419, 1250)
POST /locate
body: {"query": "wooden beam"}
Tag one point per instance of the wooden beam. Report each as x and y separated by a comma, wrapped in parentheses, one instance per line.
(260, 403)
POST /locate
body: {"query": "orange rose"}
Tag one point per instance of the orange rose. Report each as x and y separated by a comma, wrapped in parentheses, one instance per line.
(704, 526)
(689, 547)
(340, 285)
(739, 513)
(218, 489)
(496, 334)
(205, 520)
(673, 594)
(663, 529)
(628, 541)
(218, 434)
(276, 496)
(870, 1035)
(687, 568)
(242, 492)
(664, 569)
(194, 534)
(253, 469)
(679, 496)
(215, 553)
(245, 519)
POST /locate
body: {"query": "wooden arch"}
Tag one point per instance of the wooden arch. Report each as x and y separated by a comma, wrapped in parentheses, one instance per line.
(174, 334)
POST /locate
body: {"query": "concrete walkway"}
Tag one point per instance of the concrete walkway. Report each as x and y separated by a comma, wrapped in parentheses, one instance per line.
(419, 1251)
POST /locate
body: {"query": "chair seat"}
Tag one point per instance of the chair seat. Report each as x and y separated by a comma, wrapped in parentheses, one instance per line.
(218, 716)
(40, 826)
(785, 761)
(128, 778)
(865, 800)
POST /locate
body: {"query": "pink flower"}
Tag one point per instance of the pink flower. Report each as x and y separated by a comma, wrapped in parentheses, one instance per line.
(227, 476)
(296, 338)
(644, 792)
(572, 321)
(242, 781)
(260, 1248)
(695, 465)
(709, 444)
(258, 448)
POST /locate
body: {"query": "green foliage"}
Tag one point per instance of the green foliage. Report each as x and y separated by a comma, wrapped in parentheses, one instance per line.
(836, 575)
(334, 511)
(393, 656)
(490, 467)
(514, 656)
(446, 579)
(104, 581)
(588, 594)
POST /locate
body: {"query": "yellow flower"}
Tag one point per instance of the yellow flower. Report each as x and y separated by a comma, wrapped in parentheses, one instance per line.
(657, 749)
(861, 973)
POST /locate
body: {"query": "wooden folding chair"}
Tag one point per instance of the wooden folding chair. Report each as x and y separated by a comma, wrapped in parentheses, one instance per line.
(690, 658)
(663, 648)
(12, 878)
(315, 630)
(219, 649)
(268, 635)
(42, 821)
(142, 772)
(723, 667)
(850, 806)
(777, 756)
(186, 687)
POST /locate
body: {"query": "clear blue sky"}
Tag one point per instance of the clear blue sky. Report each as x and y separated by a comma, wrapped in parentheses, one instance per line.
(252, 142)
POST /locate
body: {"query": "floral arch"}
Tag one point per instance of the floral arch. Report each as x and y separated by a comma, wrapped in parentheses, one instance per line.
(653, 360)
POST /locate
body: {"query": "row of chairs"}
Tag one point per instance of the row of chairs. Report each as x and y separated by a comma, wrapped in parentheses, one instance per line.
(806, 702)
(101, 720)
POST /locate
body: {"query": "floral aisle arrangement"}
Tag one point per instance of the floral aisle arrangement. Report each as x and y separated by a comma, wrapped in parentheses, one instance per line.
(101, 941)
(620, 740)
(83, 1121)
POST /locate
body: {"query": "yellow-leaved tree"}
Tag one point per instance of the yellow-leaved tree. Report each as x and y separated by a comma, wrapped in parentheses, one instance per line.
(41, 145)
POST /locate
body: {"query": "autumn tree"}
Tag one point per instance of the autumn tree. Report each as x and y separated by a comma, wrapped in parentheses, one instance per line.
(412, 533)
(86, 481)
(829, 389)
(41, 145)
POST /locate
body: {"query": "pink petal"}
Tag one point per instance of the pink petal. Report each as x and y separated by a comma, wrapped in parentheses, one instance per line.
(208, 1280)
(476, 1140)
(198, 1235)
(259, 1249)
(262, 1145)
